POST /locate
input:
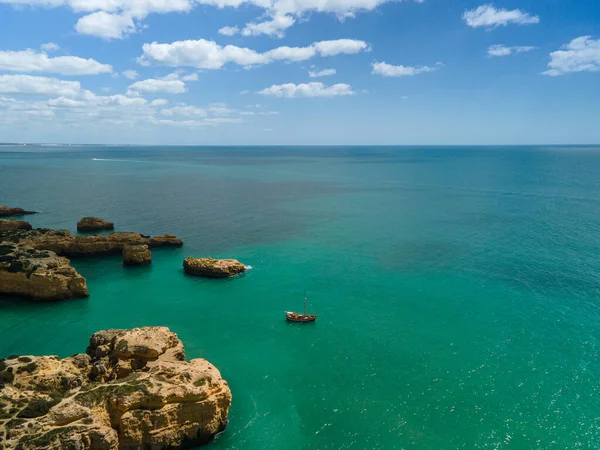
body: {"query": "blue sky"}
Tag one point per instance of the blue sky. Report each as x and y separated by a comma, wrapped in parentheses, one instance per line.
(300, 72)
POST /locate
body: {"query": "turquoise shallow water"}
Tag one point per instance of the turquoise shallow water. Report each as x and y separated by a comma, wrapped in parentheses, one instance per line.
(457, 288)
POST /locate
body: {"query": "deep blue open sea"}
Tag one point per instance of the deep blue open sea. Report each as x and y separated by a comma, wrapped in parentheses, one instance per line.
(457, 287)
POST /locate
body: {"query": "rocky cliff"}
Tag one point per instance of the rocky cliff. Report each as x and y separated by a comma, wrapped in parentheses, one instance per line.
(25, 271)
(213, 268)
(132, 390)
(5, 211)
(63, 243)
(94, 224)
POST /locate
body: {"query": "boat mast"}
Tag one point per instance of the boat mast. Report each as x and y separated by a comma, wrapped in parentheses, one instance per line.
(304, 302)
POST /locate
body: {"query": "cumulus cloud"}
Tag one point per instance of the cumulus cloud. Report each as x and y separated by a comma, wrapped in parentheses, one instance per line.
(502, 50)
(490, 17)
(274, 27)
(389, 70)
(50, 47)
(115, 19)
(190, 77)
(205, 54)
(131, 75)
(106, 25)
(156, 86)
(184, 110)
(321, 73)
(313, 89)
(32, 61)
(159, 102)
(580, 55)
(33, 85)
(229, 31)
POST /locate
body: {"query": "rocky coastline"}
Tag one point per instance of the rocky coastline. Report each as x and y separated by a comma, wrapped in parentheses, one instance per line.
(132, 389)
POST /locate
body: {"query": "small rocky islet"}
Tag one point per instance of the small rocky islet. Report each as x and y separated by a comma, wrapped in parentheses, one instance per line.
(6, 211)
(132, 389)
(213, 268)
(94, 224)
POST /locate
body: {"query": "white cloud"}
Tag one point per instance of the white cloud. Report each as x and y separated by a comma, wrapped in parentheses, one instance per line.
(313, 89)
(339, 46)
(220, 109)
(106, 25)
(184, 110)
(205, 54)
(155, 86)
(274, 27)
(389, 70)
(244, 92)
(115, 19)
(321, 73)
(32, 61)
(229, 31)
(159, 102)
(580, 55)
(190, 77)
(490, 17)
(27, 84)
(219, 120)
(50, 47)
(131, 75)
(502, 50)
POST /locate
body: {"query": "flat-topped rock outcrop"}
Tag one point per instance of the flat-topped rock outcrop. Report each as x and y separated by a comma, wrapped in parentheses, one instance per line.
(64, 243)
(94, 224)
(136, 255)
(14, 225)
(213, 268)
(132, 389)
(5, 211)
(38, 274)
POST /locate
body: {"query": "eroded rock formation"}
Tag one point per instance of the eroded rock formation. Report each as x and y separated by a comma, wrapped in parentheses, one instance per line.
(132, 390)
(64, 243)
(6, 225)
(213, 268)
(94, 224)
(5, 211)
(136, 255)
(37, 274)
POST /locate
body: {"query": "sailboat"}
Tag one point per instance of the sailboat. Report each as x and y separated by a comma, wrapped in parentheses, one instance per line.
(295, 317)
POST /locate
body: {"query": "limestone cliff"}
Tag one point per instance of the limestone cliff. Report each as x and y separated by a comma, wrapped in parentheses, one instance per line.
(25, 271)
(132, 390)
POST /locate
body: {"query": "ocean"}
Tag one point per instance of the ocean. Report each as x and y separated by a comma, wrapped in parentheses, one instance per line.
(457, 288)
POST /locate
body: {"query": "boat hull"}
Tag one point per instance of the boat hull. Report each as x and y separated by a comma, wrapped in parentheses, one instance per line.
(301, 318)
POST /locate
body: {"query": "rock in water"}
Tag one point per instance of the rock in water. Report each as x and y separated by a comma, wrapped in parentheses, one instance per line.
(27, 272)
(65, 244)
(14, 225)
(94, 224)
(136, 255)
(5, 211)
(132, 390)
(213, 268)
